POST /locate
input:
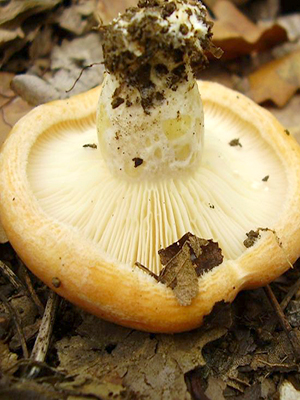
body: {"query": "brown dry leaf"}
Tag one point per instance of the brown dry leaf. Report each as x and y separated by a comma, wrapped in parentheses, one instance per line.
(34, 90)
(215, 388)
(184, 261)
(7, 358)
(6, 35)
(68, 60)
(237, 35)
(291, 23)
(277, 80)
(109, 9)
(147, 366)
(14, 8)
(12, 108)
(10, 114)
(80, 17)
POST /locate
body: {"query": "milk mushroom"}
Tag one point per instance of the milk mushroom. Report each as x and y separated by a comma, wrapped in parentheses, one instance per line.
(83, 206)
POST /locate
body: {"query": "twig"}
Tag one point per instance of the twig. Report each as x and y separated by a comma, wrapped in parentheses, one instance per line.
(42, 342)
(17, 322)
(4, 119)
(10, 99)
(30, 288)
(29, 362)
(80, 75)
(77, 393)
(284, 322)
(290, 294)
(145, 269)
(12, 277)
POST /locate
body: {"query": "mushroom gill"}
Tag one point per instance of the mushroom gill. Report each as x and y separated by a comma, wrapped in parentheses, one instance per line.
(130, 221)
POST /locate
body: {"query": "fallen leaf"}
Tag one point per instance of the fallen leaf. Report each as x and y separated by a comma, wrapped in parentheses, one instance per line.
(5, 91)
(11, 107)
(180, 274)
(68, 60)
(7, 35)
(10, 114)
(79, 18)
(148, 366)
(3, 237)
(7, 358)
(237, 35)
(15, 8)
(277, 80)
(34, 90)
(291, 23)
(288, 392)
(109, 9)
(184, 261)
(215, 388)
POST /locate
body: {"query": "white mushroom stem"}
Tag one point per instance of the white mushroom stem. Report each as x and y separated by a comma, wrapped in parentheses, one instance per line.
(163, 143)
(150, 115)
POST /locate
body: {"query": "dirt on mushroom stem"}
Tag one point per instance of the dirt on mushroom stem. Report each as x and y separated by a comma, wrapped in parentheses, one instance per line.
(165, 36)
(152, 53)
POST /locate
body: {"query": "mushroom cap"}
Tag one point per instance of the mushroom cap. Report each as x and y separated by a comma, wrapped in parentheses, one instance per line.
(90, 250)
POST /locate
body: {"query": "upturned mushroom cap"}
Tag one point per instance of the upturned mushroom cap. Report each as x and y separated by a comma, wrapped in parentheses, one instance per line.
(81, 229)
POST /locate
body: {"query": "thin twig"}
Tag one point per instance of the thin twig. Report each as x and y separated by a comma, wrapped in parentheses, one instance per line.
(42, 342)
(12, 277)
(30, 288)
(77, 393)
(290, 294)
(17, 322)
(29, 362)
(4, 119)
(283, 322)
(80, 75)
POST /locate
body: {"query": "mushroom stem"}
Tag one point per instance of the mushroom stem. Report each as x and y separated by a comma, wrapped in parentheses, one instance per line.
(150, 115)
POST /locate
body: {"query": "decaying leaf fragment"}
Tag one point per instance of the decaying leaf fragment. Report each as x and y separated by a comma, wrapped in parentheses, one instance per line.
(184, 261)
(277, 80)
(238, 35)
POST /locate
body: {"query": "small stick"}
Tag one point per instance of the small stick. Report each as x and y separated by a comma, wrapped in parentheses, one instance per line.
(291, 293)
(12, 277)
(30, 288)
(28, 362)
(42, 342)
(17, 322)
(77, 393)
(283, 321)
(81, 72)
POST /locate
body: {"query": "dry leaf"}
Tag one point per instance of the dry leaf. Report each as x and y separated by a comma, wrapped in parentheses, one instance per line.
(215, 388)
(184, 261)
(148, 366)
(33, 89)
(14, 8)
(291, 23)
(6, 35)
(180, 274)
(3, 237)
(109, 9)
(288, 392)
(11, 107)
(7, 359)
(68, 59)
(277, 80)
(237, 35)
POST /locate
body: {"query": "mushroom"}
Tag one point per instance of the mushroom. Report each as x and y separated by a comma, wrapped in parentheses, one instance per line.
(86, 199)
